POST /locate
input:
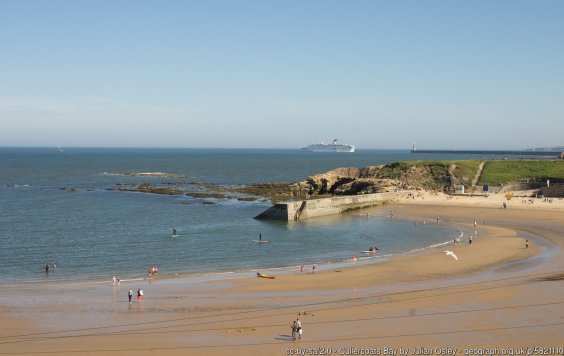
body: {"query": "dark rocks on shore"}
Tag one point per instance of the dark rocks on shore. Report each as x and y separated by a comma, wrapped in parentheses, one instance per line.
(247, 198)
(418, 175)
(384, 178)
(154, 175)
(356, 181)
(151, 188)
(206, 195)
(69, 189)
(188, 183)
(275, 191)
(340, 181)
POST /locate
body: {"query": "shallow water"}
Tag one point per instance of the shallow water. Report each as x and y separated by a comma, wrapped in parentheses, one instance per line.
(93, 233)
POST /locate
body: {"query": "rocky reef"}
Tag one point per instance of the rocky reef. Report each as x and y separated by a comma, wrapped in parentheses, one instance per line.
(150, 188)
(367, 180)
(440, 176)
(152, 174)
(424, 175)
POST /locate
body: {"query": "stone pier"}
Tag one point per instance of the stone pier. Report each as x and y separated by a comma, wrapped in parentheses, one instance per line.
(304, 209)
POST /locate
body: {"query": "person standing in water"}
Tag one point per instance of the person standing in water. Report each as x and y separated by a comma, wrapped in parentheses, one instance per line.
(260, 236)
(173, 232)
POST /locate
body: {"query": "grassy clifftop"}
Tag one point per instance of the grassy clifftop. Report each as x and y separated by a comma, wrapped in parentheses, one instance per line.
(466, 168)
(438, 175)
(495, 172)
(509, 171)
(441, 175)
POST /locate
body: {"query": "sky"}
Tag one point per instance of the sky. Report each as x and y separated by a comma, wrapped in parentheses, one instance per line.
(282, 74)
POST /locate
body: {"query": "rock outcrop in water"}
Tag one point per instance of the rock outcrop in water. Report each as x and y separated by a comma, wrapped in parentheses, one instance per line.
(435, 175)
(151, 188)
(366, 180)
(386, 178)
(415, 175)
(153, 174)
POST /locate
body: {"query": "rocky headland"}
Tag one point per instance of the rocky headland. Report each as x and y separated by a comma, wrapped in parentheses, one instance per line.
(438, 176)
(367, 180)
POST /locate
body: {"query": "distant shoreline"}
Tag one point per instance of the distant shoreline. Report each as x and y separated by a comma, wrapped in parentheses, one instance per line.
(523, 153)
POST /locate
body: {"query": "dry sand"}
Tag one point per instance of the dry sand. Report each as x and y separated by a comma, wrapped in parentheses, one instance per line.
(498, 295)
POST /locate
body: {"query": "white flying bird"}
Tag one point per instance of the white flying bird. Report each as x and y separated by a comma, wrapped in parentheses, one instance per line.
(450, 253)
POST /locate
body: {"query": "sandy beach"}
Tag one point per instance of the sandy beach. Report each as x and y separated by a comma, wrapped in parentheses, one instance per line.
(498, 297)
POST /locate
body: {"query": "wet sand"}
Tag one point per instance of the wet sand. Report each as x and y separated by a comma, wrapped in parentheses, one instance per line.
(498, 294)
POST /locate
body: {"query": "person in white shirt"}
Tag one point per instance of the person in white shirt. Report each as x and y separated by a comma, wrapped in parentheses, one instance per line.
(299, 324)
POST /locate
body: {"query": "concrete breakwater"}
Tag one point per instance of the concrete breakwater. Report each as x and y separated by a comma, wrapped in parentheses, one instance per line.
(303, 209)
(522, 153)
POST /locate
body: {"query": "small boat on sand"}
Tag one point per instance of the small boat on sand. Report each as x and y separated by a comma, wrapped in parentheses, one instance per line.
(262, 275)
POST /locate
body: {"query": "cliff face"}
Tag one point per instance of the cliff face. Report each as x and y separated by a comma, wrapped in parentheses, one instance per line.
(372, 179)
(385, 178)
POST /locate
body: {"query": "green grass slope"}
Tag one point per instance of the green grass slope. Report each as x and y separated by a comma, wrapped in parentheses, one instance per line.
(512, 171)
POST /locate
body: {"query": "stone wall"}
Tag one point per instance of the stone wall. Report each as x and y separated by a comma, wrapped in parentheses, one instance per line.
(304, 209)
(522, 186)
(555, 191)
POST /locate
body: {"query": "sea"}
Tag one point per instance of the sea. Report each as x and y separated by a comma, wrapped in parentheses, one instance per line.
(61, 206)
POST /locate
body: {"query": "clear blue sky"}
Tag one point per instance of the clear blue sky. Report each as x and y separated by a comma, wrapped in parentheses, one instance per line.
(378, 74)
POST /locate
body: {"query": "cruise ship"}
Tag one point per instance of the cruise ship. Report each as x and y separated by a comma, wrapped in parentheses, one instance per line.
(329, 147)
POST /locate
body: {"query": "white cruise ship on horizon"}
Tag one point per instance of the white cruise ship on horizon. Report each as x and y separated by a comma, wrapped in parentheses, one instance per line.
(329, 147)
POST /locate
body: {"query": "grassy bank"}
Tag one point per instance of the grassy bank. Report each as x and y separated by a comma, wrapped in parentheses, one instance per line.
(510, 171)
(496, 172)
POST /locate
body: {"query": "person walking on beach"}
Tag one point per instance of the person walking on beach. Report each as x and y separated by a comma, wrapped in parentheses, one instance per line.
(470, 240)
(299, 325)
(130, 295)
(526, 243)
(114, 280)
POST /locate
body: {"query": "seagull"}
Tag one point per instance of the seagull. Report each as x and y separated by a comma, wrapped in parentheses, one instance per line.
(450, 253)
